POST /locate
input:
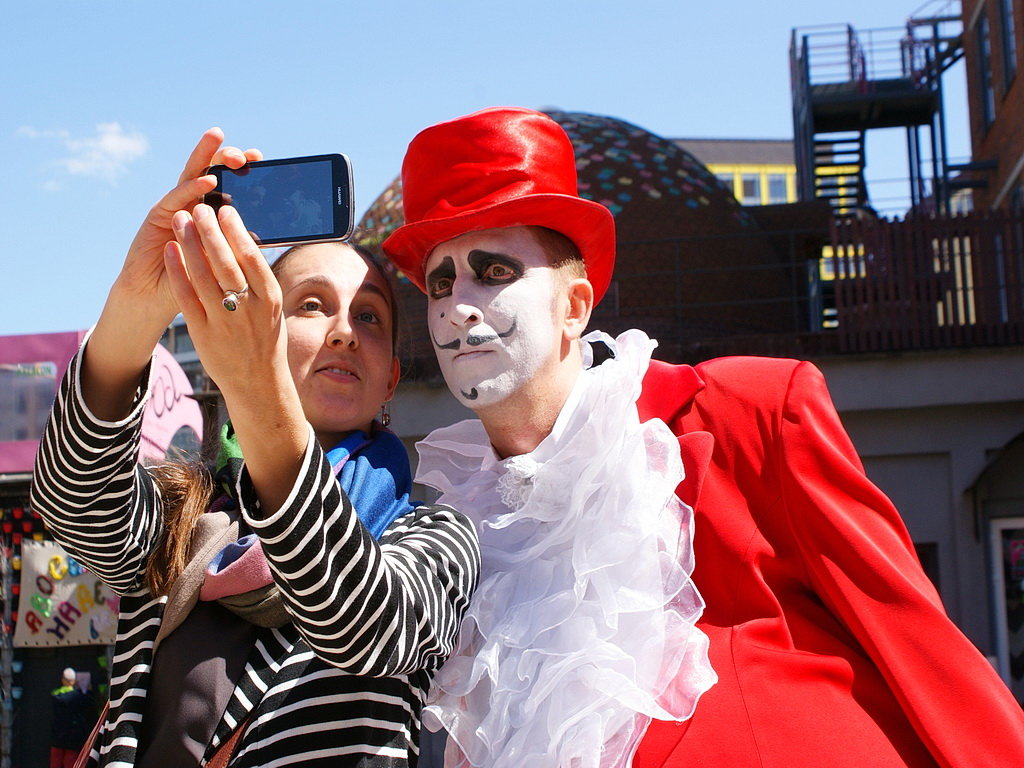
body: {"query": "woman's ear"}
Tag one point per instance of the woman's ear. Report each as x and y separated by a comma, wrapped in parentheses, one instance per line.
(580, 296)
(396, 371)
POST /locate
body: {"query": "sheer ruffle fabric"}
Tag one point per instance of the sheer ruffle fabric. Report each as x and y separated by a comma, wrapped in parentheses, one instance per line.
(582, 628)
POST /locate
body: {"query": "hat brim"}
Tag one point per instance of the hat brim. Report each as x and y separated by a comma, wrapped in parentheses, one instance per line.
(589, 225)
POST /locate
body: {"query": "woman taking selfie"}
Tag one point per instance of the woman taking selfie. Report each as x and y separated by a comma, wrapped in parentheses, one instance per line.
(299, 602)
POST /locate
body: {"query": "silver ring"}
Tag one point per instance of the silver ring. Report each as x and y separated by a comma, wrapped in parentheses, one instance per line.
(231, 298)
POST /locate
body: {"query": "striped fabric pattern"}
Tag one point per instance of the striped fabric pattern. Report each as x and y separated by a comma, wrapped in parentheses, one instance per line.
(345, 682)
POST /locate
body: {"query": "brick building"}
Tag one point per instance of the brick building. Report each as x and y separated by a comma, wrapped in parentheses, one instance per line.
(993, 45)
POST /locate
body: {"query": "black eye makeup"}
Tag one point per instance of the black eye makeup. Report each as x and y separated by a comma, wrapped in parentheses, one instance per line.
(440, 279)
(495, 268)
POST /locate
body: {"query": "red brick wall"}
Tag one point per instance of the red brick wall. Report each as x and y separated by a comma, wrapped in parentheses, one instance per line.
(1003, 140)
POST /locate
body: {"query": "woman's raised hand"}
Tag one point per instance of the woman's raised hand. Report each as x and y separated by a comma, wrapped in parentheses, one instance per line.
(143, 277)
(243, 344)
(140, 304)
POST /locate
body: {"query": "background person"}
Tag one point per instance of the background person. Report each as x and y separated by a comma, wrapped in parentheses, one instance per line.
(74, 712)
(299, 601)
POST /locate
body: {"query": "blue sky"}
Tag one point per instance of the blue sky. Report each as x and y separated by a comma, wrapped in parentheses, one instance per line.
(102, 101)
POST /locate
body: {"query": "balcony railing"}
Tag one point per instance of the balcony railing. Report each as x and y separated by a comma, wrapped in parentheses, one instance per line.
(929, 283)
(861, 286)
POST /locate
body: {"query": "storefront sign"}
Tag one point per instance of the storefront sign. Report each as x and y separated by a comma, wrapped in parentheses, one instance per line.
(61, 603)
(31, 367)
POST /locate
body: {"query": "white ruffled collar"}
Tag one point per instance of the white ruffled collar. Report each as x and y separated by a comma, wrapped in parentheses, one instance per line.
(469, 438)
(550, 668)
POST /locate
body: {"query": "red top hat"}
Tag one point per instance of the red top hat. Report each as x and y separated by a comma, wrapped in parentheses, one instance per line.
(499, 167)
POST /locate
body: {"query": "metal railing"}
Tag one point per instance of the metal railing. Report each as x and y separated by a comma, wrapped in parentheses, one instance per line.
(929, 282)
(861, 286)
(875, 285)
(837, 53)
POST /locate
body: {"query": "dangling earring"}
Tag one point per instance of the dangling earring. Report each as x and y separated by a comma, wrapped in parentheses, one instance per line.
(385, 414)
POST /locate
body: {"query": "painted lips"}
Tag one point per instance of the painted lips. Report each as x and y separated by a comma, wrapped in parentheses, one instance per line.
(471, 354)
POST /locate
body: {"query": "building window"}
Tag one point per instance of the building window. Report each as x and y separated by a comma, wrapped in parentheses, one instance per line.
(777, 188)
(182, 341)
(751, 183)
(961, 203)
(1009, 42)
(727, 182)
(1017, 199)
(988, 97)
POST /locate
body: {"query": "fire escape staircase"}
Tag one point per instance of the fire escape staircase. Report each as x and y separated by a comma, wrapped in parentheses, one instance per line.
(846, 83)
(839, 170)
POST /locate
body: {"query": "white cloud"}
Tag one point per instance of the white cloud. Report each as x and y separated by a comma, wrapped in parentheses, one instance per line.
(106, 155)
(32, 133)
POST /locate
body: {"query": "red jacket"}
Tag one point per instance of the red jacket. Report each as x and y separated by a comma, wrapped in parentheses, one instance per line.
(831, 645)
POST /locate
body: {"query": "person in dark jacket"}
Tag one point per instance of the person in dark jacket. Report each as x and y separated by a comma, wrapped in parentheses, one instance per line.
(74, 712)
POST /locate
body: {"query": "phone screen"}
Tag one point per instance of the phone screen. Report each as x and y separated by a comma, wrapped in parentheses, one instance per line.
(289, 201)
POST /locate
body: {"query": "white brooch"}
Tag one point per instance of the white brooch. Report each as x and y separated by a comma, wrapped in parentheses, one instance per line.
(516, 484)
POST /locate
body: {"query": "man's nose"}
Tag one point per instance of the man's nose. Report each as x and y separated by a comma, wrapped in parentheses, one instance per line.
(461, 314)
(465, 306)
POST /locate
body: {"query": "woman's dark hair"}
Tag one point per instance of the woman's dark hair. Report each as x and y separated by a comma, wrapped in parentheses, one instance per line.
(187, 488)
(186, 491)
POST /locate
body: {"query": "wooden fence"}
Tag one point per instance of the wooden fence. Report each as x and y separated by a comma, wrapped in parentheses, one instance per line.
(928, 283)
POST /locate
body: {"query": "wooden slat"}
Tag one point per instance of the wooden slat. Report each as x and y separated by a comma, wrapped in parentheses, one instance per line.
(929, 282)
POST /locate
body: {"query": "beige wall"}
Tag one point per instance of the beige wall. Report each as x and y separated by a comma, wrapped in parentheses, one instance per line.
(417, 410)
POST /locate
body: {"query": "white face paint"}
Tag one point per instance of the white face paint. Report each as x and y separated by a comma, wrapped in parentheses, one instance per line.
(491, 298)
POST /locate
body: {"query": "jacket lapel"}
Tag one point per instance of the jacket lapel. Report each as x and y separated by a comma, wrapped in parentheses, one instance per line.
(272, 649)
(667, 392)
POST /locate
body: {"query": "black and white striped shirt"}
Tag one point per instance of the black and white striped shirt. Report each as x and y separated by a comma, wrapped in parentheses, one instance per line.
(344, 683)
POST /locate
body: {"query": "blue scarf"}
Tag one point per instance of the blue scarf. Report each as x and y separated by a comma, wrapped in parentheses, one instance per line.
(374, 473)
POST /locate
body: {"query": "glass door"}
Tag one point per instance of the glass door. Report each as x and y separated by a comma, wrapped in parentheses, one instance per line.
(1007, 542)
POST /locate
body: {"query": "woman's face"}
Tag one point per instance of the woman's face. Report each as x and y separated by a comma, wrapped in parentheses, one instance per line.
(338, 315)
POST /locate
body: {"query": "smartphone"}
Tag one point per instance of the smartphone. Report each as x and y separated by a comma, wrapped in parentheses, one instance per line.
(290, 201)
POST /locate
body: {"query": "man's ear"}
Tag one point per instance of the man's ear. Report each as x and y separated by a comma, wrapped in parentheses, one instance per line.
(580, 296)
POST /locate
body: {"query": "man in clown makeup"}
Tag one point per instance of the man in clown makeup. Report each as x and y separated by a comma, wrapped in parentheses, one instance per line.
(600, 480)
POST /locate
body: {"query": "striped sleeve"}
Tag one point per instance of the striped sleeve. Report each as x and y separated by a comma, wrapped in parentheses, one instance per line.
(98, 503)
(370, 608)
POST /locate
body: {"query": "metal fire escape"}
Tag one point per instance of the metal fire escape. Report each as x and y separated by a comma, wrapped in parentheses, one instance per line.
(846, 83)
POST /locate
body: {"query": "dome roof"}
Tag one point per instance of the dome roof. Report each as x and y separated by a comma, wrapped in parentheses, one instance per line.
(691, 260)
(620, 165)
(623, 167)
